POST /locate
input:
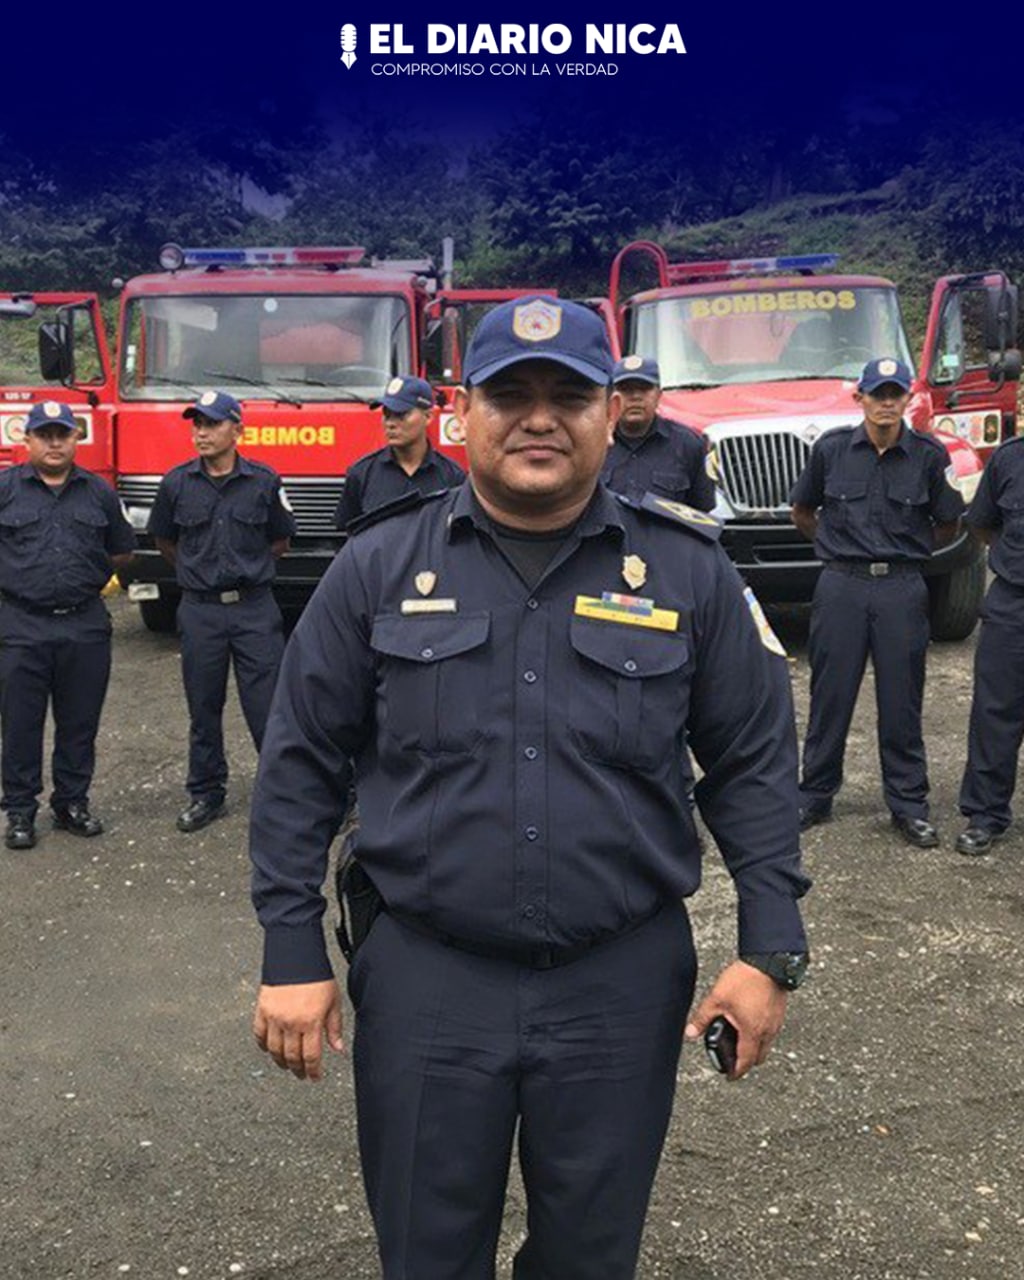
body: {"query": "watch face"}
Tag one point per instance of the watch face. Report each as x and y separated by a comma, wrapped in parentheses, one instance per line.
(793, 969)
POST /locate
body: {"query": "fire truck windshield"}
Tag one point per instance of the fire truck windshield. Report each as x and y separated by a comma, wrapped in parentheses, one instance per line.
(307, 347)
(759, 333)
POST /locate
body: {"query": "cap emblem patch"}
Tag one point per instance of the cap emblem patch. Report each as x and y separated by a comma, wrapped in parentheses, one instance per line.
(52, 409)
(633, 362)
(537, 321)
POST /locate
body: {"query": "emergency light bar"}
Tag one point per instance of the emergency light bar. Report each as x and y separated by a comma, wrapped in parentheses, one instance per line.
(173, 257)
(677, 271)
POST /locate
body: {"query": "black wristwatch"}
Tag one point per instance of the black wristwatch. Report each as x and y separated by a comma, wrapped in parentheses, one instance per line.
(787, 968)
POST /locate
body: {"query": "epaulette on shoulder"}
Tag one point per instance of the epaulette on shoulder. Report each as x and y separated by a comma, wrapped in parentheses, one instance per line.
(678, 513)
(407, 502)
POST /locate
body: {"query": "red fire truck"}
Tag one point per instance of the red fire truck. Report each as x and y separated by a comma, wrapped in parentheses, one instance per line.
(32, 326)
(762, 357)
(306, 338)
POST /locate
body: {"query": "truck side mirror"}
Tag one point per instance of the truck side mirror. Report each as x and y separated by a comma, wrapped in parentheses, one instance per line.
(1004, 366)
(1000, 320)
(56, 356)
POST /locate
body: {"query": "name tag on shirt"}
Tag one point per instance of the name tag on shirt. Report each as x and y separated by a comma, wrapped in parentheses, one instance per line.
(631, 611)
(440, 605)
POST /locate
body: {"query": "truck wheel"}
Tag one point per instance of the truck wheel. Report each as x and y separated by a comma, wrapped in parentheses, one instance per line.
(956, 599)
(159, 615)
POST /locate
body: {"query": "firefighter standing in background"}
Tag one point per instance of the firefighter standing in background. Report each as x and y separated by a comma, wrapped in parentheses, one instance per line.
(997, 707)
(62, 534)
(876, 499)
(408, 462)
(515, 714)
(649, 454)
(222, 521)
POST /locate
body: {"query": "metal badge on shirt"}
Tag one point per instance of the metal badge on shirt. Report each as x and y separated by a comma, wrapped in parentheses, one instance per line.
(425, 582)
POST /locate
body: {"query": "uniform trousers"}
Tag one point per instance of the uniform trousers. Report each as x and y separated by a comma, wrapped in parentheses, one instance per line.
(247, 634)
(455, 1053)
(853, 618)
(997, 710)
(61, 661)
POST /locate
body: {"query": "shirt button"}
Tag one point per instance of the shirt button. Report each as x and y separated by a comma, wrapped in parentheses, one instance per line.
(529, 912)
(532, 604)
(426, 653)
(630, 665)
(530, 753)
(530, 676)
(531, 833)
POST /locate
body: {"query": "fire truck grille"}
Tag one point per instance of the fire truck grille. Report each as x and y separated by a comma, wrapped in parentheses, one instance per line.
(757, 472)
(313, 500)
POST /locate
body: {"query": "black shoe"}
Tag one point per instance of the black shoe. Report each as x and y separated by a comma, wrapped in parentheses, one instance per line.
(916, 831)
(76, 820)
(814, 815)
(976, 841)
(200, 813)
(21, 832)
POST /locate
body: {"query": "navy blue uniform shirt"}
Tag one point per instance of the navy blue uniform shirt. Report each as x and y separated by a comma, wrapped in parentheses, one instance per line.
(378, 479)
(877, 506)
(999, 504)
(519, 765)
(668, 460)
(223, 531)
(56, 544)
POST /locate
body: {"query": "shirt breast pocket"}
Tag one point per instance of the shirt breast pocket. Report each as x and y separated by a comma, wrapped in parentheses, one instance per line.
(908, 501)
(19, 527)
(91, 526)
(249, 526)
(1012, 512)
(629, 698)
(846, 503)
(433, 674)
(670, 484)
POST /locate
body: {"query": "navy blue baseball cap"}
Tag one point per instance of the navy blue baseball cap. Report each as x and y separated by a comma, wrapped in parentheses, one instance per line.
(402, 395)
(878, 373)
(50, 413)
(218, 406)
(539, 328)
(637, 369)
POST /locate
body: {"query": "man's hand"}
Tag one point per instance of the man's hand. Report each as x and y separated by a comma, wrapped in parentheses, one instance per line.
(291, 1022)
(755, 1005)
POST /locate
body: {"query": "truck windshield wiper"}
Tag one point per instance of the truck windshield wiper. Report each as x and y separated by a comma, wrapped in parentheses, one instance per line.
(162, 381)
(689, 386)
(252, 382)
(337, 393)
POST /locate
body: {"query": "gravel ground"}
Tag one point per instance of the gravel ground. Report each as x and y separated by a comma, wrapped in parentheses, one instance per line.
(143, 1134)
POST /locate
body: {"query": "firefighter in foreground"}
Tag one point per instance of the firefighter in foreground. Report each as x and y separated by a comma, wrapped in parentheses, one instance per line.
(222, 521)
(408, 462)
(876, 499)
(511, 666)
(62, 535)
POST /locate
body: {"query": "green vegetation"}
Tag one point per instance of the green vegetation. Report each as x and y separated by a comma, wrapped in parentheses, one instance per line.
(548, 204)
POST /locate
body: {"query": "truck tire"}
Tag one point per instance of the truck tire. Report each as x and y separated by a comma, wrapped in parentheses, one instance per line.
(956, 598)
(159, 615)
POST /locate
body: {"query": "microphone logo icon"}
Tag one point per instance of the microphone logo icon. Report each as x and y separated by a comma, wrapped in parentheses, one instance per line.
(348, 44)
